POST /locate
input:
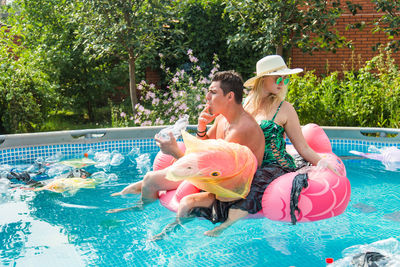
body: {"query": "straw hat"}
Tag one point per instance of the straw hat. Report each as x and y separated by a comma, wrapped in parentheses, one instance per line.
(271, 65)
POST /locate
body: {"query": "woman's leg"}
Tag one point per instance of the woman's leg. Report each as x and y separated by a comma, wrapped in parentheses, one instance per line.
(234, 215)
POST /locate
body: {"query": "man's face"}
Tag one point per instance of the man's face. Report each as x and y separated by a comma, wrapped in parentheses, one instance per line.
(215, 98)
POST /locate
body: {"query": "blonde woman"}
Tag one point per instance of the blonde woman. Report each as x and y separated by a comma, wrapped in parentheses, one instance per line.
(266, 103)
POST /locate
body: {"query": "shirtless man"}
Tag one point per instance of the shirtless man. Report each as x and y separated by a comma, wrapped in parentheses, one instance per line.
(232, 123)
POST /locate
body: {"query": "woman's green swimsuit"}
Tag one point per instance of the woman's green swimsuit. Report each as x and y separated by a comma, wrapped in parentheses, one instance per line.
(275, 145)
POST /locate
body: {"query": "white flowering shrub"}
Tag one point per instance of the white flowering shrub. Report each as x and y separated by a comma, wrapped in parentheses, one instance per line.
(184, 94)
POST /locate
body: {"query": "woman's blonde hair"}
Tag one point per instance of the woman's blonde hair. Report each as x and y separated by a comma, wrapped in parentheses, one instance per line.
(257, 104)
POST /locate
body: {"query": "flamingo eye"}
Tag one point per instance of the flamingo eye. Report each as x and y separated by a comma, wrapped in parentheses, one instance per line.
(216, 173)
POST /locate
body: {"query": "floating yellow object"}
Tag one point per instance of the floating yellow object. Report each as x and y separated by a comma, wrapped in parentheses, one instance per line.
(72, 185)
(78, 163)
(216, 166)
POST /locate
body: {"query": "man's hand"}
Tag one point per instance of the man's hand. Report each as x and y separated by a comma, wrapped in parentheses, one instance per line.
(205, 118)
(169, 147)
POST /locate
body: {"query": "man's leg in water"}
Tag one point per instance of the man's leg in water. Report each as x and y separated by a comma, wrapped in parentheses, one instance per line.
(233, 216)
(152, 183)
(203, 199)
(156, 181)
(135, 188)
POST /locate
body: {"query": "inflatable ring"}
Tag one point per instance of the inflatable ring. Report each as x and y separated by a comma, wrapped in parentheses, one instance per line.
(162, 160)
(327, 194)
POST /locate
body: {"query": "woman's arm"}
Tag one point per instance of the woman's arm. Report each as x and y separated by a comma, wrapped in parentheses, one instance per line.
(293, 131)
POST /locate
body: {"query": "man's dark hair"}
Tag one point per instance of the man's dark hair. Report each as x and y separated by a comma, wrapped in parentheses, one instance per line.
(231, 81)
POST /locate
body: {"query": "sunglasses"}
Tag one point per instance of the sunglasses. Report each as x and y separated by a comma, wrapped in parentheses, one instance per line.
(284, 79)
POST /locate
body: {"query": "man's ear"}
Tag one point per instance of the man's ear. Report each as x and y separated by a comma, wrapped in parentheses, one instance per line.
(231, 95)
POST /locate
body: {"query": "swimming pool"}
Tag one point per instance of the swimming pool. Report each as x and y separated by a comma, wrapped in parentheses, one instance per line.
(47, 229)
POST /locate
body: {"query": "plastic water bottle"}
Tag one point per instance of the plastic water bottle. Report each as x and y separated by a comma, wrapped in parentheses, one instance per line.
(176, 129)
(116, 158)
(54, 158)
(133, 154)
(4, 185)
(99, 177)
(143, 163)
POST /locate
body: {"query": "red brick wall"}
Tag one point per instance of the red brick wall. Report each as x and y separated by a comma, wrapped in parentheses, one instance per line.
(345, 58)
(152, 76)
(16, 39)
(122, 92)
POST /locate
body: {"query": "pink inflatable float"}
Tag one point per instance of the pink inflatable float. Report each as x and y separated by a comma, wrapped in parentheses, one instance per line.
(327, 194)
(162, 160)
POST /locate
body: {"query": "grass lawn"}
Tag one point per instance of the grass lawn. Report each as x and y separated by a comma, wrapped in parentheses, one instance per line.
(69, 120)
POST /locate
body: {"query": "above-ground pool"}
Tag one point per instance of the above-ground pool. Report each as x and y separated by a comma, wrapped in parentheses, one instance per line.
(73, 229)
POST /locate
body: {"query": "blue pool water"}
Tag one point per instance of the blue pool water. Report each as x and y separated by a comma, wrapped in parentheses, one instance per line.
(50, 229)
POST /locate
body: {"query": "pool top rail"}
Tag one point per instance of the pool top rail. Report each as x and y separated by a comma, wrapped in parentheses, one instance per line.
(131, 133)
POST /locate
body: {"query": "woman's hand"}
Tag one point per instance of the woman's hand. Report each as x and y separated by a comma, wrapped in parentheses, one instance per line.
(324, 163)
(169, 147)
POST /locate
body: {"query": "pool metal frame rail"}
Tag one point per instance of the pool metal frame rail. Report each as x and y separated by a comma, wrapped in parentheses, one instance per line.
(88, 136)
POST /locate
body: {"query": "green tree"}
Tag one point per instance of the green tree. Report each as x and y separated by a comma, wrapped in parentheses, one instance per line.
(124, 28)
(52, 29)
(25, 93)
(204, 27)
(389, 22)
(281, 24)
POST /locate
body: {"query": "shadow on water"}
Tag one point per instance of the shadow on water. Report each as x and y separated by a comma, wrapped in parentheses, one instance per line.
(12, 240)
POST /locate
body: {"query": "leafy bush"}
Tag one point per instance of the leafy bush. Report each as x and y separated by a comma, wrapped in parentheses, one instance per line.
(25, 94)
(368, 97)
(184, 94)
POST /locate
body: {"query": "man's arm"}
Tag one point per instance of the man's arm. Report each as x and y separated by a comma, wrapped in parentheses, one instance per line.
(169, 147)
(204, 119)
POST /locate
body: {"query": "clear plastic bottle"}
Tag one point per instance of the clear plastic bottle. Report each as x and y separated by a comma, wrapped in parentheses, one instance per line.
(176, 129)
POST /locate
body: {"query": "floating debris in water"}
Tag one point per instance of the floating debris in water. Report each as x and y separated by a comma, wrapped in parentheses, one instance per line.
(395, 216)
(364, 208)
(381, 253)
(369, 258)
(389, 156)
(110, 224)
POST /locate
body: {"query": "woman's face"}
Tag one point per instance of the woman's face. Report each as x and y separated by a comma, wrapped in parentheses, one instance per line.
(274, 84)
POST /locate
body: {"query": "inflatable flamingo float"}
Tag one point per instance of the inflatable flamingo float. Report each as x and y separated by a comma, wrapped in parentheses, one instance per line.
(327, 194)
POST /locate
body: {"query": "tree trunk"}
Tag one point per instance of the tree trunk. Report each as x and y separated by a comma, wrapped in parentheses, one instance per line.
(132, 80)
(279, 50)
(90, 111)
(2, 129)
